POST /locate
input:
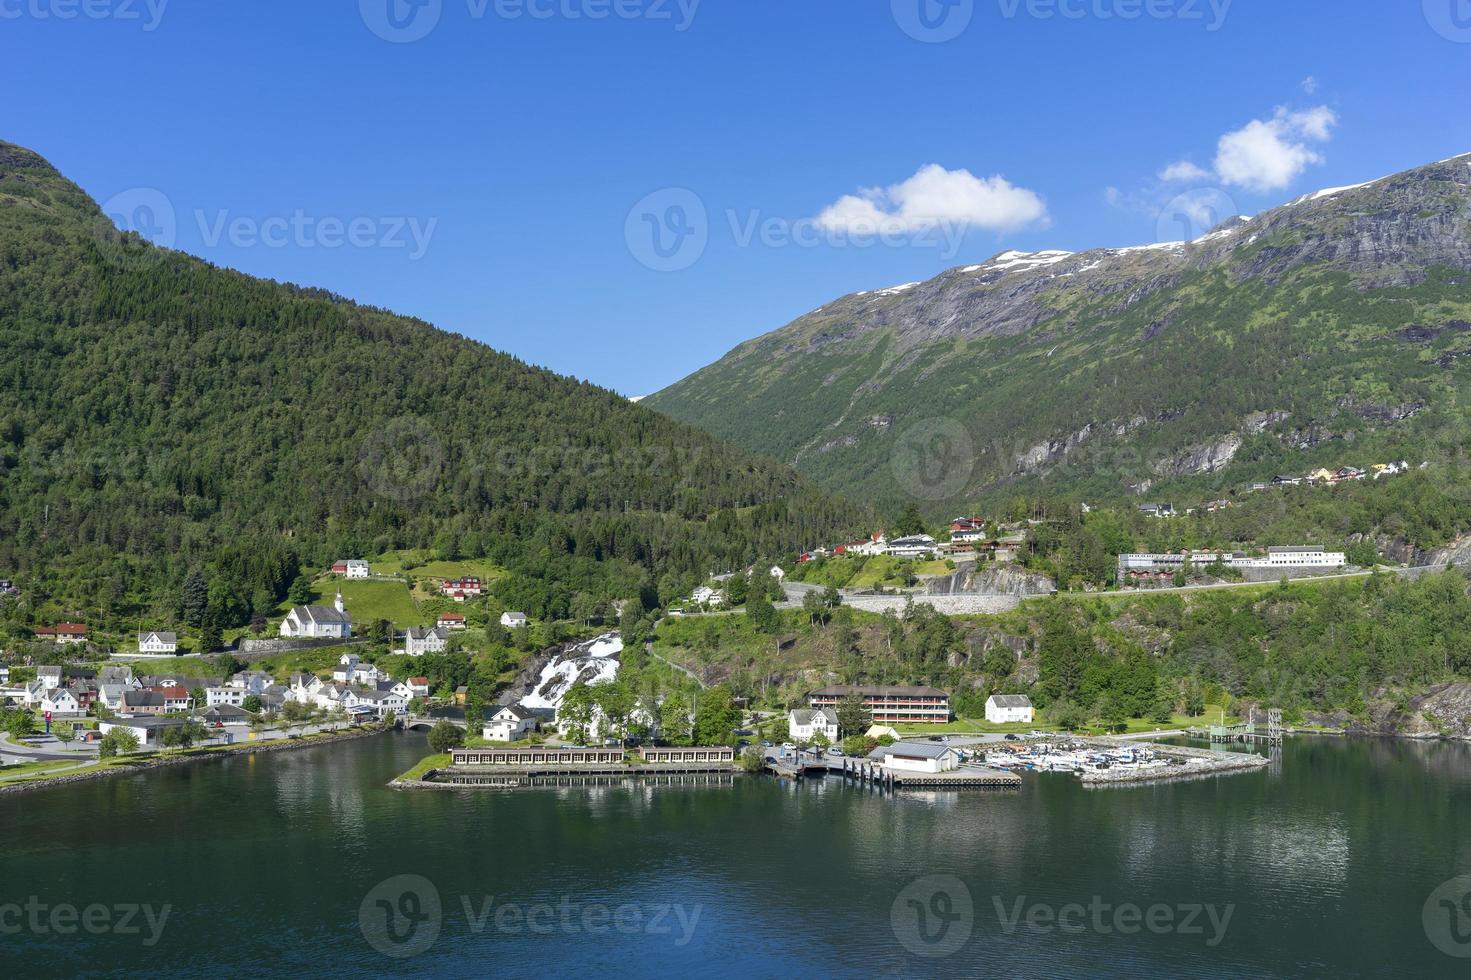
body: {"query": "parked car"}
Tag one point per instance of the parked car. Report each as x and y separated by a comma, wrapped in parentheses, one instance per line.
(834, 750)
(788, 747)
(1011, 738)
(936, 738)
(766, 743)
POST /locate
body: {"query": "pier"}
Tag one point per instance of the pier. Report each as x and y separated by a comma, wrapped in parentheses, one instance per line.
(867, 772)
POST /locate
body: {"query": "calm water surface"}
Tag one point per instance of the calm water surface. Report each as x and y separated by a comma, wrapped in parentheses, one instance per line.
(276, 865)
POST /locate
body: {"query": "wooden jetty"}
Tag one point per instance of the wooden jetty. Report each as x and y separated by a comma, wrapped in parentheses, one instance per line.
(867, 772)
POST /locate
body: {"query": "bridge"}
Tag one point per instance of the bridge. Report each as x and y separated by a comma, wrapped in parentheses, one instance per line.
(426, 722)
(1270, 734)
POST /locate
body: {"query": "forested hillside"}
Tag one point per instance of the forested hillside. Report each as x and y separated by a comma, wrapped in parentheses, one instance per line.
(159, 414)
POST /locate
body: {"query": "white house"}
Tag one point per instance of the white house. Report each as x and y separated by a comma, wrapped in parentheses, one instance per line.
(234, 696)
(512, 620)
(419, 687)
(1003, 709)
(252, 681)
(420, 640)
(509, 723)
(381, 702)
(351, 671)
(805, 724)
(451, 621)
(914, 546)
(356, 568)
(158, 642)
(59, 701)
(313, 622)
(777, 572)
(706, 596)
(916, 757)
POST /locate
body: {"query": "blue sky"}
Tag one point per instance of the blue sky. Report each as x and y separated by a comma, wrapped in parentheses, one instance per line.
(488, 176)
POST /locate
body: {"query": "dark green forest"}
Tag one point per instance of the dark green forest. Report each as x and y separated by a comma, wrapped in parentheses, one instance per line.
(159, 414)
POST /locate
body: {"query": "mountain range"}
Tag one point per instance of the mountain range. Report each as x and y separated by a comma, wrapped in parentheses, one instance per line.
(1332, 330)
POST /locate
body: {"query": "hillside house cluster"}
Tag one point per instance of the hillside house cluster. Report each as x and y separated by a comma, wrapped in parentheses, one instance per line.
(362, 691)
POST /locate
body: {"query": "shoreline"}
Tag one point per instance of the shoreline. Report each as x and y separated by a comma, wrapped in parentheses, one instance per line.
(160, 762)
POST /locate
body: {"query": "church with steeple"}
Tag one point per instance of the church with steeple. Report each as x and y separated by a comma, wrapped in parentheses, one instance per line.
(315, 622)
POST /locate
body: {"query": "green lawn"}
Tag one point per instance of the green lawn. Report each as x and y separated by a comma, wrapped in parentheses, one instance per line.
(417, 564)
(370, 600)
(425, 764)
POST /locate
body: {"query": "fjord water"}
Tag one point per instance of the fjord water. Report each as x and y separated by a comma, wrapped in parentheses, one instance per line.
(1326, 862)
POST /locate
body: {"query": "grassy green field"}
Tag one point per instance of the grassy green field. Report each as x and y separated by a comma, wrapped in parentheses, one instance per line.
(425, 764)
(420, 565)
(370, 600)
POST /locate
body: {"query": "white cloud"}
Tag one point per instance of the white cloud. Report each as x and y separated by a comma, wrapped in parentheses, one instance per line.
(1310, 85)
(1268, 154)
(935, 196)
(1182, 170)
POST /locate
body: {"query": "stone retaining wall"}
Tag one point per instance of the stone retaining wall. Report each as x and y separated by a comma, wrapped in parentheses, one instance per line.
(950, 605)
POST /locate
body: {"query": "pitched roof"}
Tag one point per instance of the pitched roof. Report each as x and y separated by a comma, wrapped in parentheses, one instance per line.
(325, 615)
(1010, 700)
(912, 750)
(163, 636)
(809, 716)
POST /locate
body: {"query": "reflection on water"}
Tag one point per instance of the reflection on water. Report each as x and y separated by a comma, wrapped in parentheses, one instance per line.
(266, 860)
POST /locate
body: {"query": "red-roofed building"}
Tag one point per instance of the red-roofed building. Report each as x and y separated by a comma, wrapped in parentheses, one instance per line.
(461, 588)
(174, 698)
(63, 633)
(419, 687)
(451, 621)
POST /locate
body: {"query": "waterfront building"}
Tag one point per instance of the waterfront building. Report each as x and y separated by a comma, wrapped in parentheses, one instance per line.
(889, 704)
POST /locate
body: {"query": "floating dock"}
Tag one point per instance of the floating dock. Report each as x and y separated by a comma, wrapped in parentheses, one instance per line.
(865, 771)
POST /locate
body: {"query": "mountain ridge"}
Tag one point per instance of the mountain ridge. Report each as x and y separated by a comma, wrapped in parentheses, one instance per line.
(828, 391)
(160, 413)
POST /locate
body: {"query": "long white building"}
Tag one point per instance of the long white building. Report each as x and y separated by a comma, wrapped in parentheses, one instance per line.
(1309, 556)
